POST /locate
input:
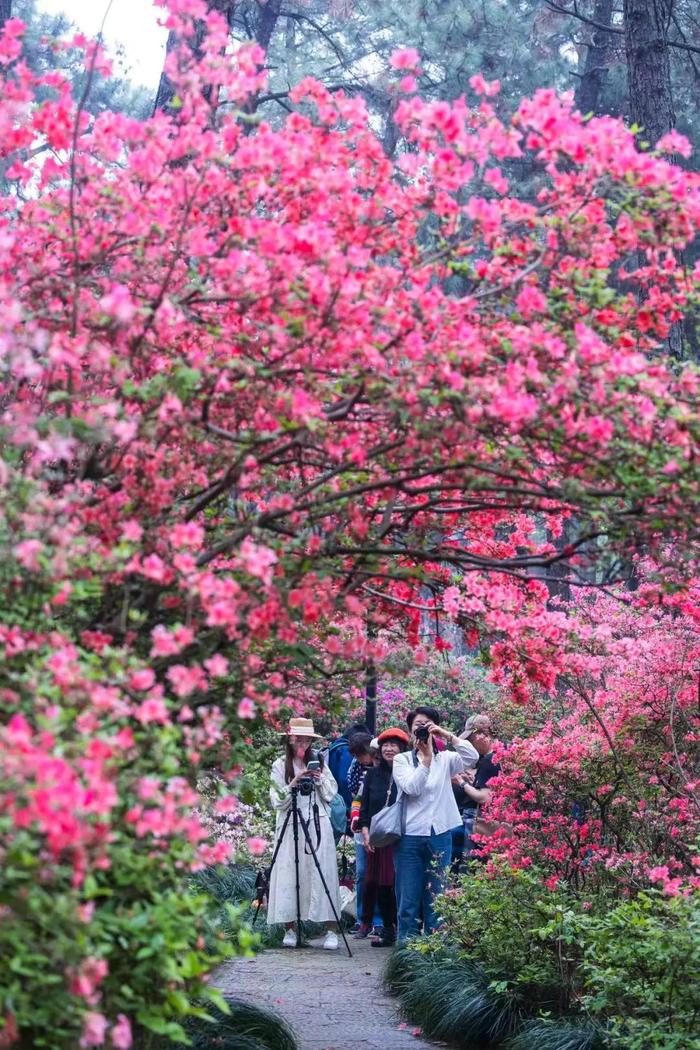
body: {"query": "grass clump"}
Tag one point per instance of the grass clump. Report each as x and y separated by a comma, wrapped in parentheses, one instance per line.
(243, 1027)
(246, 1027)
(541, 1034)
(403, 967)
(450, 998)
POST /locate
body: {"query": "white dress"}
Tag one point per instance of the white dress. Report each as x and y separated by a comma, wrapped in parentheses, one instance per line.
(315, 907)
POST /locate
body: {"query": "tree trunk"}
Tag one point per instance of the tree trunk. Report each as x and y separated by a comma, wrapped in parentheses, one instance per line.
(648, 66)
(595, 70)
(267, 20)
(649, 83)
(166, 91)
(264, 28)
(5, 11)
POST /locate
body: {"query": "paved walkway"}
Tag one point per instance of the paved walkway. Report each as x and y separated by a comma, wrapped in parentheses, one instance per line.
(331, 1002)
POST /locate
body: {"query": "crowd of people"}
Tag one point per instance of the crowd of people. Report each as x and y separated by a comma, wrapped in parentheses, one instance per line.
(437, 778)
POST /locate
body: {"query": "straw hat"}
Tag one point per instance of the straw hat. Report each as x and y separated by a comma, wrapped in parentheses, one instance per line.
(301, 727)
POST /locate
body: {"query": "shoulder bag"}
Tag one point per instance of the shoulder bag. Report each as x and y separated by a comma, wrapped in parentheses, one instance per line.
(338, 814)
(386, 826)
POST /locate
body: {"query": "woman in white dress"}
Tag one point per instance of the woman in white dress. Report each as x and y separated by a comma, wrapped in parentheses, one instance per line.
(287, 771)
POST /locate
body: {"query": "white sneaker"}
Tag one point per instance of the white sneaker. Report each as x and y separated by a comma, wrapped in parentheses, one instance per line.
(331, 941)
(290, 939)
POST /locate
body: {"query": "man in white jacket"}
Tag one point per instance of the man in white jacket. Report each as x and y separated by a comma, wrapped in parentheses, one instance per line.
(422, 854)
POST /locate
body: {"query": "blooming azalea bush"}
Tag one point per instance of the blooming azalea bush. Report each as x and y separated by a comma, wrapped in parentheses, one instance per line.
(606, 792)
(265, 393)
(587, 900)
(102, 932)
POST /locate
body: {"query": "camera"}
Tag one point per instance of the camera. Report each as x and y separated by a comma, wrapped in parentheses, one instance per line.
(422, 735)
(306, 784)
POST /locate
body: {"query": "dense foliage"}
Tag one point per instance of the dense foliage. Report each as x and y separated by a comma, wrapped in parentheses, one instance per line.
(265, 394)
(618, 973)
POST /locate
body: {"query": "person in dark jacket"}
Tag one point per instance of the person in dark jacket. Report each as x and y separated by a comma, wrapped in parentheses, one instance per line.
(473, 788)
(378, 791)
(361, 761)
(339, 759)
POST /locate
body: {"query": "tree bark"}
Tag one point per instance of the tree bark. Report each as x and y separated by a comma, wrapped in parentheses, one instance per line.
(5, 11)
(595, 70)
(267, 20)
(649, 82)
(264, 28)
(648, 66)
(166, 91)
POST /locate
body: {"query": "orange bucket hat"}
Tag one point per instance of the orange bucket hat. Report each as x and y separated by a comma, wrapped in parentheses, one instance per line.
(394, 734)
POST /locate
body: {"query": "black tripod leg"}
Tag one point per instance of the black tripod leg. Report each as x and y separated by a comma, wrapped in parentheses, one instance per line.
(307, 835)
(272, 862)
(295, 827)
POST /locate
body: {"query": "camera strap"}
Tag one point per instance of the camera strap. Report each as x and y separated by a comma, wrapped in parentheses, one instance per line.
(317, 823)
(313, 810)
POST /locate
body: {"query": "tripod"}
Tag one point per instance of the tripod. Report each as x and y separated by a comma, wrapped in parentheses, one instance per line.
(297, 820)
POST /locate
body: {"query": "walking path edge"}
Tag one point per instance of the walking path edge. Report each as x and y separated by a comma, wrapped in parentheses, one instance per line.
(331, 1002)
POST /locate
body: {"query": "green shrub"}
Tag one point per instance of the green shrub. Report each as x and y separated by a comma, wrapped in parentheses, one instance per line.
(632, 966)
(641, 967)
(525, 935)
(144, 920)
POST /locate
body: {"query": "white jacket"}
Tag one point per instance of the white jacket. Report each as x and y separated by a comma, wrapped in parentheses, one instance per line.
(429, 801)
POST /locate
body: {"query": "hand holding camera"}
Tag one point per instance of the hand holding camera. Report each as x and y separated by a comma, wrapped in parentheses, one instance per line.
(424, 745)
(305, 781)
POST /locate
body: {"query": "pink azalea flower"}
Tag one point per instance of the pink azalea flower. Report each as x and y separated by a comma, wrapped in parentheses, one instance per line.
(256, 846)
(246, 708)
(484, 87)
(258, 560)
(152, 710)
(131, 531)
(154, 568)
(118, 304)
(216, 665)
(674, 142)
(143, 679)
(95, 1027)
(27, 554)
(121, 1033)
(404, 58)
(187, 534)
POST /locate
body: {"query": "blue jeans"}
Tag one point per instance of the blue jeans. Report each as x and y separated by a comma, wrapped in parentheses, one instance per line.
(457, 849)
(360, 867)
(421, 863)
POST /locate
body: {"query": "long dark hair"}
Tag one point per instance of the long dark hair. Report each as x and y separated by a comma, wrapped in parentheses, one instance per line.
(289, 755)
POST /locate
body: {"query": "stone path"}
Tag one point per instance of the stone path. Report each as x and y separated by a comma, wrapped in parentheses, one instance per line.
(331, 1002)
